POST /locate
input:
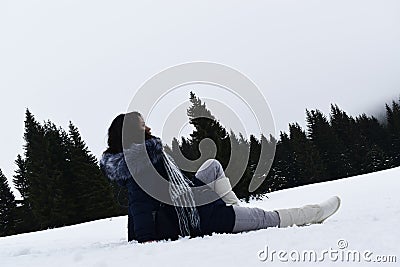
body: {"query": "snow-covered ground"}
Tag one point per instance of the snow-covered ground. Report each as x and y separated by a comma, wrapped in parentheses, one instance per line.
(366, 223)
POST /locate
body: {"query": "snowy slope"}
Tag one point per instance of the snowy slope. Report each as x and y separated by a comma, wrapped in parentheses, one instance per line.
(367, 220)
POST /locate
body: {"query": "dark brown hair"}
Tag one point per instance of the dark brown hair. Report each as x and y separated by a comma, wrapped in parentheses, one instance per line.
(131, 132)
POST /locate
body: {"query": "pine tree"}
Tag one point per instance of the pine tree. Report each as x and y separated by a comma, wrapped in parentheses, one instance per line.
(354, 144)
(8, 208)
(92, 195)
(261, 160)
(376, 160)
(231, 151)
(27, 167)
(376, 148)
(59, 180)
(283, 167)
(45, 164)
(393, 126)
(330, 147)
(308, 163)
(206, 126)
(268, 166)
(255, 151)
(239, 166)
(40, 176)
(58, 176)
(373, 131)
(24, 211)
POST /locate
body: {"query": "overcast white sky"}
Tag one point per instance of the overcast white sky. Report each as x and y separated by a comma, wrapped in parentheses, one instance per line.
(84, 60)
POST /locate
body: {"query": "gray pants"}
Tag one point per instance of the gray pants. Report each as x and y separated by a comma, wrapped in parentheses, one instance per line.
(246, 218)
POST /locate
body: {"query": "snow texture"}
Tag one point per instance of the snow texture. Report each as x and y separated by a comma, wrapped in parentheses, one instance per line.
(367, 220)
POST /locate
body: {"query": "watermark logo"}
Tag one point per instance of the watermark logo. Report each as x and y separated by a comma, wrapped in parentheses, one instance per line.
(339, 254)
(342, 244)
(151, 94)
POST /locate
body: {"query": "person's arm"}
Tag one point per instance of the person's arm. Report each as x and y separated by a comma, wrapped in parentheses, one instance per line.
(113, 166)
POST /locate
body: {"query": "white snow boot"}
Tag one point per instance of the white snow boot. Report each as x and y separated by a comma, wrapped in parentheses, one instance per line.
(309, 214)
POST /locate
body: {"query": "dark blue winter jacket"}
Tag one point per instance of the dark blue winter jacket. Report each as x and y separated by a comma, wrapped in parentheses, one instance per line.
(150, 219)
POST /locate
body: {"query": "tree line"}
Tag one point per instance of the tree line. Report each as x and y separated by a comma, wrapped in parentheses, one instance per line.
(330, 148)
(60, 181)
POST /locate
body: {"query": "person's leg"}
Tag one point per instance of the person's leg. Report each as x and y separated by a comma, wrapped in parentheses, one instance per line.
(248, 219)
(308, 214)
(210, 171)
(131, 226)
(212, 174)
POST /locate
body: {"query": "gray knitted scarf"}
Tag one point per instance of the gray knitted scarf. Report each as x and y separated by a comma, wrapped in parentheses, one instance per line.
(182, 197)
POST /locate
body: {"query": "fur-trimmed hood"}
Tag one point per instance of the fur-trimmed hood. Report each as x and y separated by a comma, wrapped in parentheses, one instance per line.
(114, 165)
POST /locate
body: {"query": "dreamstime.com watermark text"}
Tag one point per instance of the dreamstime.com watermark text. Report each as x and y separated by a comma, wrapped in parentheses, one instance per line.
(339, 254)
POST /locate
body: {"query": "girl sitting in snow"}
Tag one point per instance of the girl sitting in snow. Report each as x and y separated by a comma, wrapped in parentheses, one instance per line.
(142, 158)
